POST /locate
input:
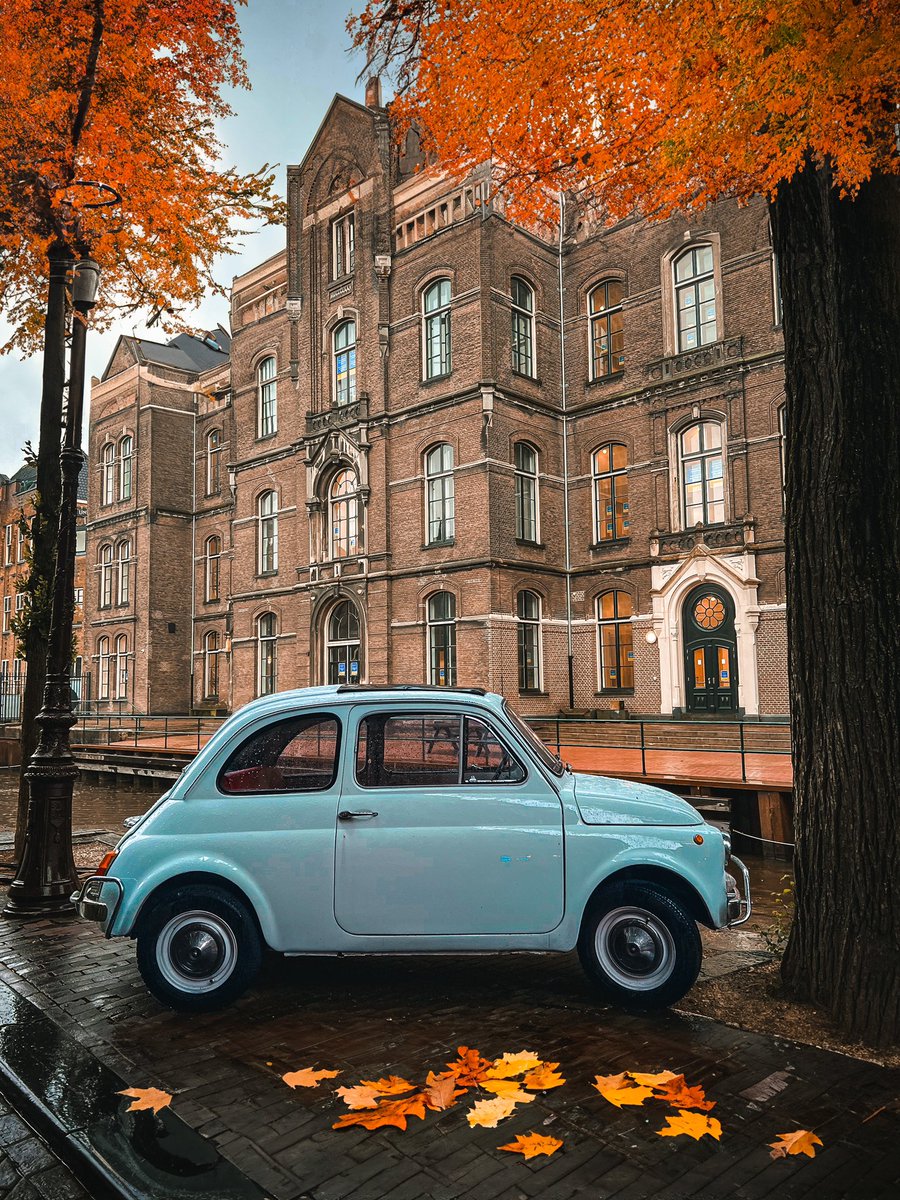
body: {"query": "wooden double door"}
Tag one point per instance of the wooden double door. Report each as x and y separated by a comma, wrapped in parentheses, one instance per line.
(710, 651)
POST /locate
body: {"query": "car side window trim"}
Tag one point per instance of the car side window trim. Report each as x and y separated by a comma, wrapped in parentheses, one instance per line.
(237, 777)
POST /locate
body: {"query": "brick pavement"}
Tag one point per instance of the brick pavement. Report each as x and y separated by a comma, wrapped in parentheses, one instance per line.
(28, 1168)
(370, 1017)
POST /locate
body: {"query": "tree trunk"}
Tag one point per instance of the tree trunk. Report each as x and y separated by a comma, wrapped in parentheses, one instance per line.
(45, 525)
(839, 263)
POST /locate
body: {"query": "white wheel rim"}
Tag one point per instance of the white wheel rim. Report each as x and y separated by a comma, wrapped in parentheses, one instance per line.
(634, 948)
(196, 952)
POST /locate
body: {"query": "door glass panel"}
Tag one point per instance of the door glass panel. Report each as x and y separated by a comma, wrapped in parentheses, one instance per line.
(297, 755)
(408, 751)
(699, 668)
(724, 667)
(487, 759)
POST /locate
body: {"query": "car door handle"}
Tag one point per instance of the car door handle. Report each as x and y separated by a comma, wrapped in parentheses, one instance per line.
(346, 815)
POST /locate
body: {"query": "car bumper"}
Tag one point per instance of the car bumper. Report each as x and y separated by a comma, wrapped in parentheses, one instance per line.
(739, 903)
(98, 900)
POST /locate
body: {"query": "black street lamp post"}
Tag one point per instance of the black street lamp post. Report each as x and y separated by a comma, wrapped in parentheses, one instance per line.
(47, 877)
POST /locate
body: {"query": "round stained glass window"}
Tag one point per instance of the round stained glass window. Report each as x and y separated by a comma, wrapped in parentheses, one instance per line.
(709, 612)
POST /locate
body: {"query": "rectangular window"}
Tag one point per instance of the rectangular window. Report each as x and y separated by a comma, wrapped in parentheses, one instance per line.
(79, 595)
(421, 751)
(20, 552)
(9, 546)
(7, 612)
(343, 246)
(526, 508)
(296, 755)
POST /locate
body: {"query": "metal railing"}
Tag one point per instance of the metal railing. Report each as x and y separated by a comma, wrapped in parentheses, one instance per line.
(118, 730)
(12, 690)
(647, 736)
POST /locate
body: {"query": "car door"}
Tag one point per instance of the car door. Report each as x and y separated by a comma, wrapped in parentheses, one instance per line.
(444, 830)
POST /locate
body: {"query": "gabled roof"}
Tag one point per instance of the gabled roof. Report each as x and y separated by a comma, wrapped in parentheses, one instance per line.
(184, 352)
(338, 100)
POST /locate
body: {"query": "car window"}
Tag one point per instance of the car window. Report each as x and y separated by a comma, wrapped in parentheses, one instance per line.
(425, 751)
(298, 754)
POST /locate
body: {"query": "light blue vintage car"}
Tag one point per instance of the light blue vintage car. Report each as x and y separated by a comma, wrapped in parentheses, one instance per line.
(379, 820)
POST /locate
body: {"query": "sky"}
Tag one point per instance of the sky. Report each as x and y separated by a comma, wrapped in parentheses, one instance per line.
(297, 58)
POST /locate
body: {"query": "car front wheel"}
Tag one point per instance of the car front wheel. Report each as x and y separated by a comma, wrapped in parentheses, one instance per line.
(198, 948)
(639, 947)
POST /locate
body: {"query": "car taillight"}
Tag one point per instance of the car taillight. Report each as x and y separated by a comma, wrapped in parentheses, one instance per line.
(106, 862)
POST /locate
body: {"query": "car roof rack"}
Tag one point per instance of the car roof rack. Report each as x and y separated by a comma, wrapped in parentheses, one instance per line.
(409, 687)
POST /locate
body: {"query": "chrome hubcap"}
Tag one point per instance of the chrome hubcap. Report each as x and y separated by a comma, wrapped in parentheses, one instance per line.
(196, 951)
(634, 948)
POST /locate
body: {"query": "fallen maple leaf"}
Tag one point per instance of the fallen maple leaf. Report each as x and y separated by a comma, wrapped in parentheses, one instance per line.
(532, 1144)
(359, 1096)
(441, 1091)
(307, 1077)
(544, 1077)
(469, 1068)
(513, 1064)
(676, 1092)
(388, 1112)
(620, 1090)
(489, 1112)
(693, 1124)
(392, 1086)
(802, 1141)
(511, 1088)
(144, 1098)
(652, 1080)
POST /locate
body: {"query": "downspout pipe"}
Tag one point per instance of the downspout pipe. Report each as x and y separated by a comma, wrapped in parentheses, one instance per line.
(570, 652)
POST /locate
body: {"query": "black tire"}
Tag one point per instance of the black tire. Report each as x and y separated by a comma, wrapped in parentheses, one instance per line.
(198, 947)
(638, 946)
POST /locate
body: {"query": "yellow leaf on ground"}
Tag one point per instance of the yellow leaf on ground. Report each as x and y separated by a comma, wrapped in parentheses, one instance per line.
(532, 1144)
(510, 1088)
(544, 1077)
(513, 1064)
(677, 1093)
(359, 1096)
(441, 1091)
(619, 1089)
(802, 1141)
(388, 1112)
(652, 1080)
(144, 1098)
(392, 1086)
(693, 1124)
(489, 1112)
(307, 1077)
(470, 1068)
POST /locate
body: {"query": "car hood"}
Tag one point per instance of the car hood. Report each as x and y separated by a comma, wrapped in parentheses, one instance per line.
(605, 801)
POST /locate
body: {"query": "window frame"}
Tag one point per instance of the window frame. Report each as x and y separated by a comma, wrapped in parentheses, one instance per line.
(212, 581)
(267, 726)
(126, 467)
(332, 643)
(448, 624)
(343, 394)
(523, 328)
(8, 551)
(695, 280)
(123, 569)
(270, 641)
(437, 330)
(347, 544)
(600, 327)
(267, 534)
(524, 623)
(523, 479)
(213, 468)
(613, 474)
(343, 246)
(106, 563)
(104, 660)
(702, 456)
(211, 665)
(122, 674)
(108, 473)
(266, 398)
(440, 490)
(616, 622)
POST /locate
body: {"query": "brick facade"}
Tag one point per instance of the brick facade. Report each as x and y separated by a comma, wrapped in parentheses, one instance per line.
(366, 587)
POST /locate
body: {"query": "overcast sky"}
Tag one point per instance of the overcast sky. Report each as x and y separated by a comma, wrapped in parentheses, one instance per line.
(296, 52)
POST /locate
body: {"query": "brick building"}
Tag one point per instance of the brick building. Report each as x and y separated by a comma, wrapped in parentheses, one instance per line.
(409, 468)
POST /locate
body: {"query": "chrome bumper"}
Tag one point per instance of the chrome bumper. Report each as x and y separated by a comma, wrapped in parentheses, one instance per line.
(98, 900)
(739, 906)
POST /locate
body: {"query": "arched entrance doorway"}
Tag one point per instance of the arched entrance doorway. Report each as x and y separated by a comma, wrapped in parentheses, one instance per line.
(342, 648)
(710, 651)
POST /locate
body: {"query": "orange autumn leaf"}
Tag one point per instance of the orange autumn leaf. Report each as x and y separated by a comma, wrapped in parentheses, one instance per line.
(146, 1098)
(441, 1092)
(469, 1068)
(532, 1144)
(677, 1093)
(488, 1112)
(513, 1064)
(692, 1124)
(802, 1141)
(620, 1090)
(511, 1088)
(544, 1077)
(359, 1096)
(652, 1080)
(387, 1112)
(307, 1077)
(393, 1085)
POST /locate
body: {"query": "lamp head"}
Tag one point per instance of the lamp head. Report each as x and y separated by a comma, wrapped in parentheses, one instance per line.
(85, 284)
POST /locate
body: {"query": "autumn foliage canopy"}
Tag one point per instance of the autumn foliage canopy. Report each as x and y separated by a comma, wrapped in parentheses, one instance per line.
(124, 93)
(639, 105)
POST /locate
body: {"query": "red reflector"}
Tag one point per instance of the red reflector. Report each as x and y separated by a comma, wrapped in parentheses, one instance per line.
(698, 838)
(106, 862)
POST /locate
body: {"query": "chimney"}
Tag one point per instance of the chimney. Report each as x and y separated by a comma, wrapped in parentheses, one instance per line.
(373, 92)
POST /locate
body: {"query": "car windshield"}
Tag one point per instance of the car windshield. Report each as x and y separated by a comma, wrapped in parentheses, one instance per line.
(531, 738)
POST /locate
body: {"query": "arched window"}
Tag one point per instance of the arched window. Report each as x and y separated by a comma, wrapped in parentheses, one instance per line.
(213, 452)
(607, 329)
(442, 639)
(105, 558)
(266, 402)
(345, 363)
(436, 329)
(702, 469)
(440, 497)
(527, 508)
(124, 557)
(122, 667)
(695, 298)
(343, 506)
(125, 464)
(267, 540)
(266, 654)
(522, 327)
(343, 644)
(108, 474)
(211, 665)
(104, 662)
(528, 610)
(611, 508)
(211, 564)
(616, 647)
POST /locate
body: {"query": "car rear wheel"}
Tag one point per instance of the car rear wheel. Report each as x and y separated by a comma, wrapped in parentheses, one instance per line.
(198, 948)
(639, 946)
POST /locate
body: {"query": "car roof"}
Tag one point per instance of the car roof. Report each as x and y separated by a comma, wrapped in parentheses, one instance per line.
(365, 693)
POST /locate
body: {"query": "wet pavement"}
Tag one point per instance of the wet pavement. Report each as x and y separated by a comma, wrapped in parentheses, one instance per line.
(93, 807)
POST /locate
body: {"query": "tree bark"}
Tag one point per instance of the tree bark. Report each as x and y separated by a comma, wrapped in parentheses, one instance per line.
(45, 524)
(839, 264)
